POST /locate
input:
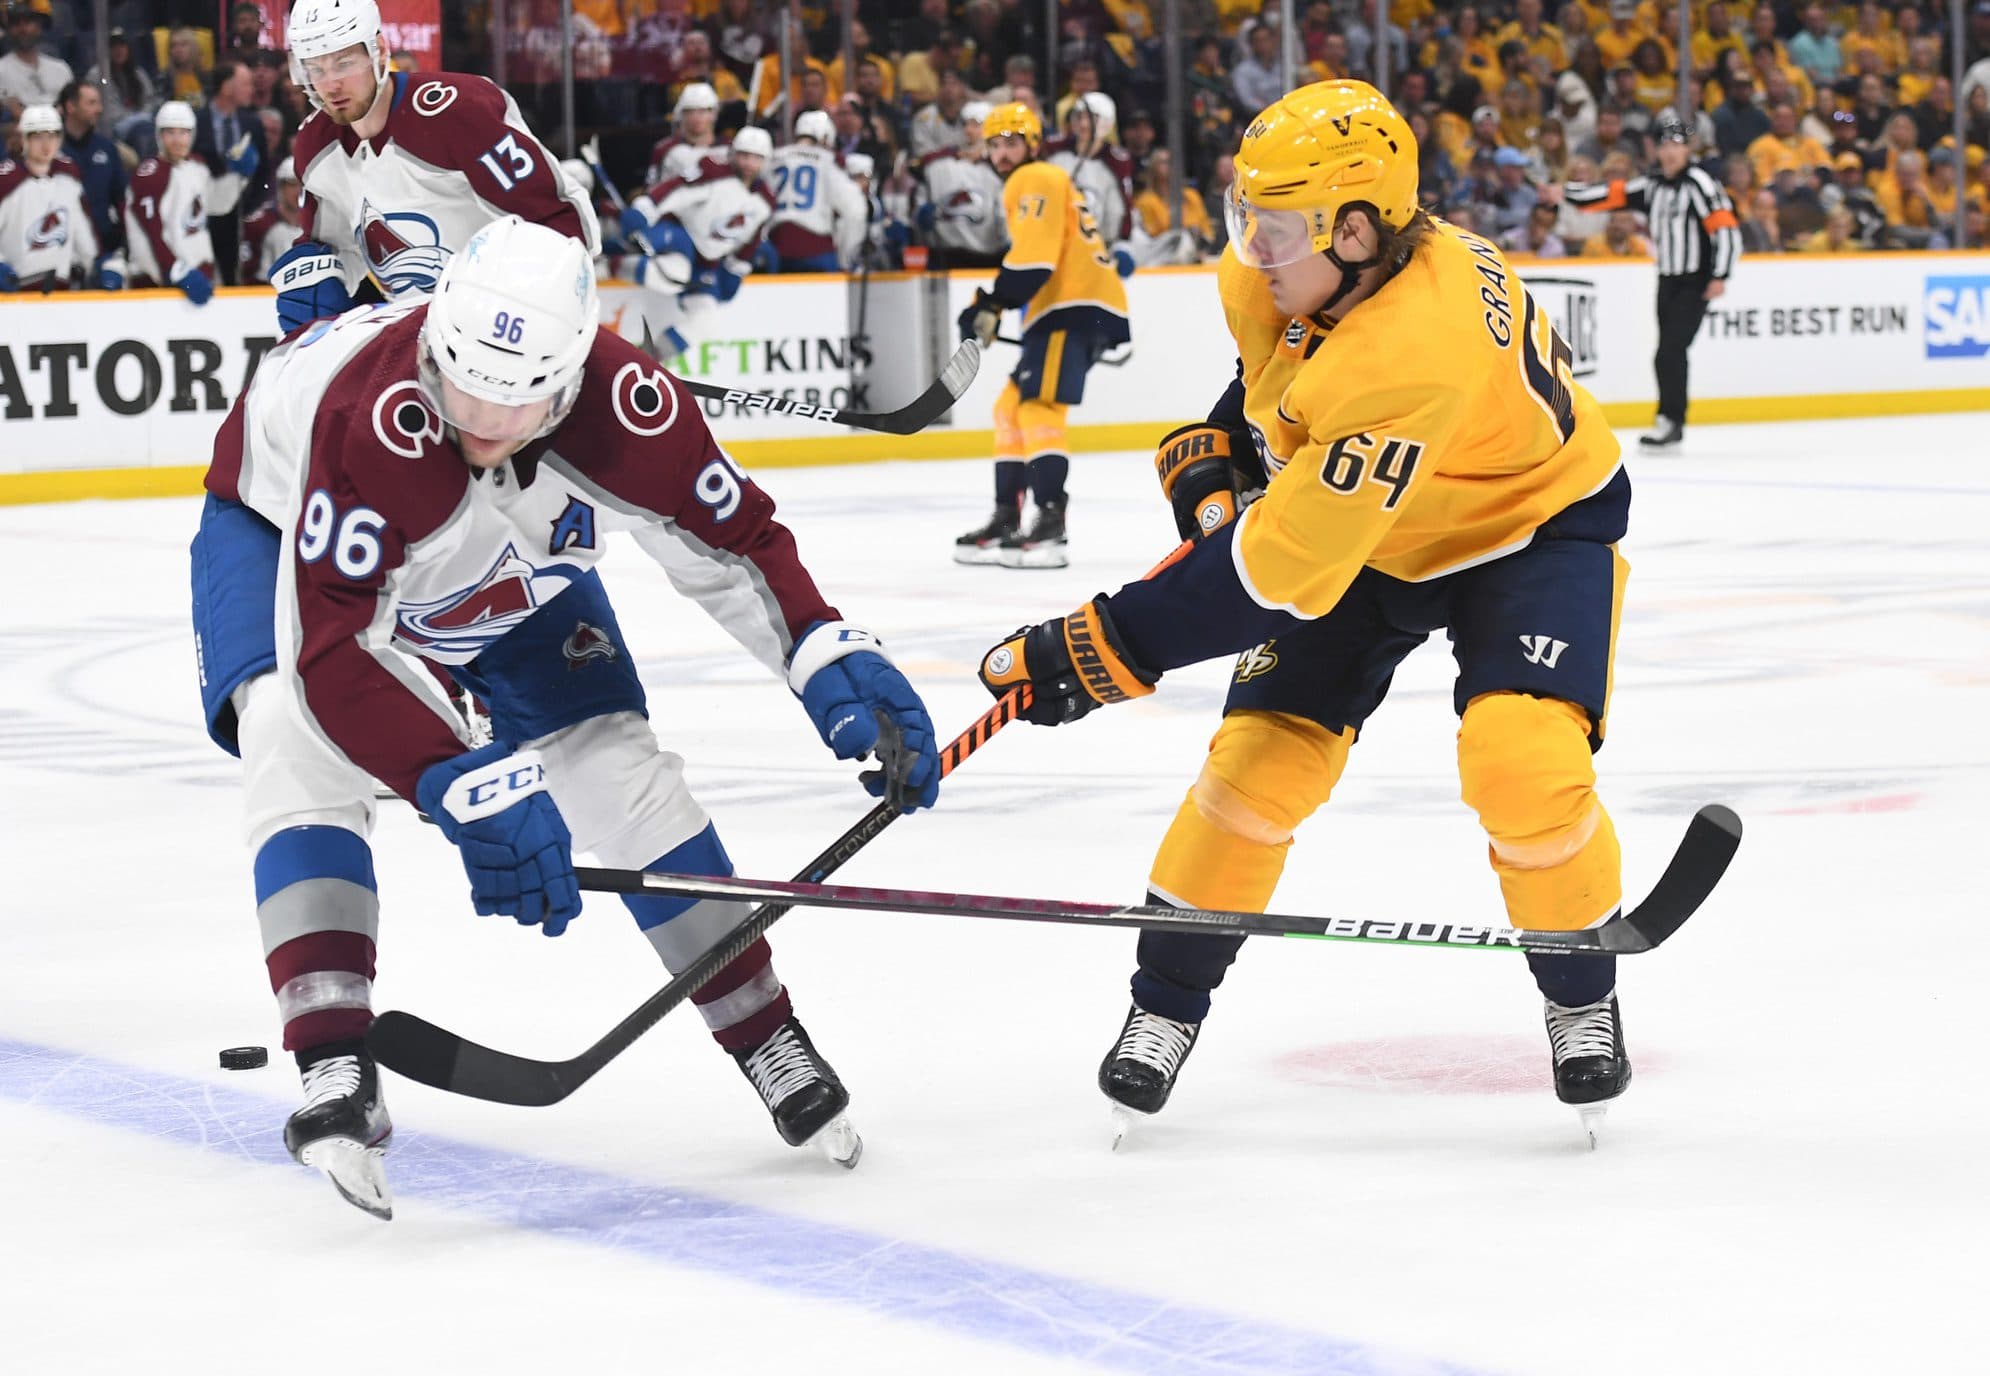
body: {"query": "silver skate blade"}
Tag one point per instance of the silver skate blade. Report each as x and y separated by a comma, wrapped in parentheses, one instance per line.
(977, 554)
(358, 1173)
(1592, 1120)
(839, 1141)
(1123, 1119)
(1046, 556)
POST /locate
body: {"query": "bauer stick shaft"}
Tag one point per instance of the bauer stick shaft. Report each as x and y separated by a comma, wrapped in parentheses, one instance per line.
(435, 1056)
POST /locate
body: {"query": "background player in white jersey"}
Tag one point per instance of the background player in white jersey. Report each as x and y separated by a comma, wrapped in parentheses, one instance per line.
(1099, 168)
(401, 168)
(445, 475)
(274, 229)
(819, 215)
(699, 236)
(46, 238)
(694, 139)
(960, 207)
(165, 211)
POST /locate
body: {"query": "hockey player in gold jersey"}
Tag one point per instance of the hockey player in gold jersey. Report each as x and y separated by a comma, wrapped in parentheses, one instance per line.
(1427, 462)
(1061, 275)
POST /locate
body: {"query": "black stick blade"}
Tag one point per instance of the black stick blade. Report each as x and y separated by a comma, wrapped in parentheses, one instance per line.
(1696, 867)
(439, 1058)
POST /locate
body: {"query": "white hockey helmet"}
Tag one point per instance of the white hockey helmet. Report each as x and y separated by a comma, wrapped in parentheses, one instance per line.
(174, 114)
(859, 165)
(1105, 114)
(319, 28)
(753, 139)
(286, 171)
(511, 323)
(975, 111)
(698, 95)
(40, 119)
(817, 125)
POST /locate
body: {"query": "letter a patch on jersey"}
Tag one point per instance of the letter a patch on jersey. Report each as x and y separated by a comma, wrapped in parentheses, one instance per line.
(574, 528)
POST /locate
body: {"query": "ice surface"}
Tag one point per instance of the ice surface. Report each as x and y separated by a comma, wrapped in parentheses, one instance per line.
(1364, 1169)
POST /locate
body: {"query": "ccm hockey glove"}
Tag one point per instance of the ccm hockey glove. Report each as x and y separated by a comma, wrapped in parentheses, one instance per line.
(493, 805)
(1072, 664)
(862, 705)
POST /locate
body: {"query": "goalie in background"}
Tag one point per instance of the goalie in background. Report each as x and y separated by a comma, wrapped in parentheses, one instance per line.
(1061, 275)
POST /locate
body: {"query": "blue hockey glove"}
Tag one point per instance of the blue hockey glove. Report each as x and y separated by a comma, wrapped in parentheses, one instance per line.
(9, 279)
(110, 272)
(633, 222)
(862, 705)
(719, 283)
(1122, 262)
(766, 258)
(244, 157)
(196, 284)
(926, 216)
(493, 805)
(309, 285)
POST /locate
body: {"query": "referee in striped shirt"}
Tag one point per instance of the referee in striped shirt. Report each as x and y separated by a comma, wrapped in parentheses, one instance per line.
(1696, 238)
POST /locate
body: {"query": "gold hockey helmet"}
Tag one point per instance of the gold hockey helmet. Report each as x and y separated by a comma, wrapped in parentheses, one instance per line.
(1014, 118)
(1306, 158)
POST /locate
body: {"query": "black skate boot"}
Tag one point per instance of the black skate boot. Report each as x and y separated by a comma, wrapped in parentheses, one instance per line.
(343, 1127)
(1665, 434)
(1591, 1068)
(983, 544)
(802, 1093)
(1042, 545)
(1139, 1072)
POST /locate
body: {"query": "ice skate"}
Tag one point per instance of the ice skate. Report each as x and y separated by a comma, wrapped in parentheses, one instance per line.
(343, 1127)
(1591, 1068)
(802, 1093)
(1042, 545)
(983, 544)
(1139, 1071)
(1665, 433)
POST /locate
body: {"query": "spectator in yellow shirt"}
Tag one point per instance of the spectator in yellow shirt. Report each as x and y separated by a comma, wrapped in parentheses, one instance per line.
(1156, 217)
(1540, 40)
(1903, 197)
(1474, 49)
(1875, 34)
(1621, 37)
(1519, 115)
(1837, 236)
(1619, 239)
(860, 44)
(1784, 147)
(1718, 35)
(1923, 57)
(1656, 85)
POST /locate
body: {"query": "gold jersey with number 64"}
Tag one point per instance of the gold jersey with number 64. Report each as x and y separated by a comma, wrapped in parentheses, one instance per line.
(1434, 429)
(1049, 227)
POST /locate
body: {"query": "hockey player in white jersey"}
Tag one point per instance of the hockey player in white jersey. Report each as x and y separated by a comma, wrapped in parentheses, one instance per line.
(820, 216)
(47, 242)
(694, 138)
(436, 480)
(1100, 168)
(400, 168)
(274, 229)
(698, 237)
(960, 205)
(165, 211)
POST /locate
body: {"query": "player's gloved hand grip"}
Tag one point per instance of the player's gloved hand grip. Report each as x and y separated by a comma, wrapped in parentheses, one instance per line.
(493, 805)
(310, 285)
(1072, 664)
(1198, 479)
(198, 286)
(981, 319)
(862, 705)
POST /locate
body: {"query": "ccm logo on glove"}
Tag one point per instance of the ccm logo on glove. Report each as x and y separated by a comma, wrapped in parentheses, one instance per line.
(485, 793)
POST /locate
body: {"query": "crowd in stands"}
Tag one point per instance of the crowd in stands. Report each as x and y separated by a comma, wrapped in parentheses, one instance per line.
(1831, 126)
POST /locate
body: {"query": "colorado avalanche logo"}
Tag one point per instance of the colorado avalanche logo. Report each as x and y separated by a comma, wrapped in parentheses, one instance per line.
(587, 643)
(403, 249)
(196, 220)
(403, 422)
(51, 231)
(643, 399)
(466, 621)
(964, 206)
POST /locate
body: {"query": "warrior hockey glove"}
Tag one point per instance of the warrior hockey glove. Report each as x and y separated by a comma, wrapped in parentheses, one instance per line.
(862, 705)
(1198, 478)
(1072, 665)
(982, 318)
(493, 805)
(309, 285)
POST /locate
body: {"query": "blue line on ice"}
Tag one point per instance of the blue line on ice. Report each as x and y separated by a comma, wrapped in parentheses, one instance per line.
(1057, 1316)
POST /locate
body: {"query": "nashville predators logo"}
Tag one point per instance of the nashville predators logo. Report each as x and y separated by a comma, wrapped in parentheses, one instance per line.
(1257, 660)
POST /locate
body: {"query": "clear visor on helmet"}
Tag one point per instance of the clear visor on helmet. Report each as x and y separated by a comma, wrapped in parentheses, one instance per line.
(1267, 238)
(484, 415)
(339, 66)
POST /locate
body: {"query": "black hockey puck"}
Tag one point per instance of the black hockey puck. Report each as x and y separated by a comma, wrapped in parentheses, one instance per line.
(245, 1058)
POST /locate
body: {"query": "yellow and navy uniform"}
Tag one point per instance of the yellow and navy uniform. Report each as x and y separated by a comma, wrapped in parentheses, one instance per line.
(1060, 272)
(1433, 465)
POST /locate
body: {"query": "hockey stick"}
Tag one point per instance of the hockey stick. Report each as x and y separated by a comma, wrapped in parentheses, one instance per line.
(908, 419)
(438, 1057)
(1696, 867)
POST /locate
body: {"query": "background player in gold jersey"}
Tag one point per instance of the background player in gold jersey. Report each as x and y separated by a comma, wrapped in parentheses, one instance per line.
(1060, 273)
(1428, 463)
